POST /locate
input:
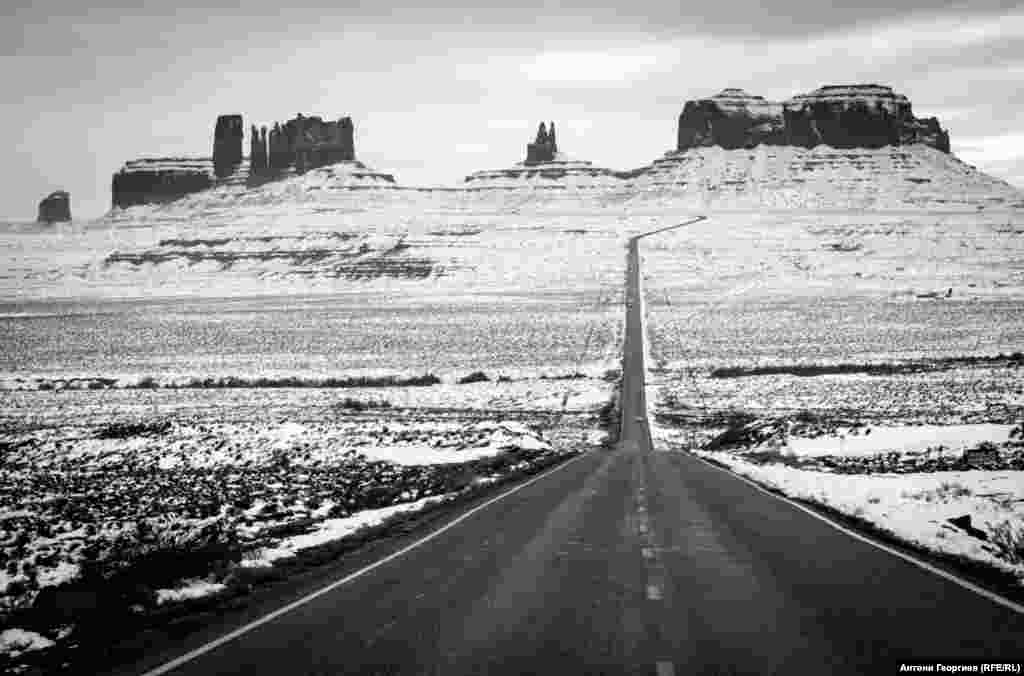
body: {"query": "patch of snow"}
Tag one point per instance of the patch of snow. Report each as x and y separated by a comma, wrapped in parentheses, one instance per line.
(15, 642)
(334, 529)
(913, 507)
(899, 438)
(65, 571)
(191, 589)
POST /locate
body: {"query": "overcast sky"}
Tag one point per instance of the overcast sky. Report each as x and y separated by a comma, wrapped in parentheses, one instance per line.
(437, 93)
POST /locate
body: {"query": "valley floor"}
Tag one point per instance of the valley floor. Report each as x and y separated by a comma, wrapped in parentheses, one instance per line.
(232, 428)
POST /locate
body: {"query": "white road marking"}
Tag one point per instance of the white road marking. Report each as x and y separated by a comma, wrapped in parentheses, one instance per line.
(970, 586)
(648, 553)
(654, 592)
(269, 617)
(664, 668)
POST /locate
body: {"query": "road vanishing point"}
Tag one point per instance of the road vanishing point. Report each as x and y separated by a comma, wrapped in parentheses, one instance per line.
(625, 560)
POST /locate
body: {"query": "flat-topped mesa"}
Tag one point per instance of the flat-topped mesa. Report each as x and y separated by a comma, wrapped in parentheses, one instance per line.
(840, 116)
(544, 148)
(305, 143)
(164, 179)
(731, 119)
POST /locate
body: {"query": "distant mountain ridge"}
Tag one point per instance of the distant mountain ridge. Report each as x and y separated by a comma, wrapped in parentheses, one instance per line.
(843, 146)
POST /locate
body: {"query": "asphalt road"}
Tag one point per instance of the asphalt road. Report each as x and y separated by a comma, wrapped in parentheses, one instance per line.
(630, 561)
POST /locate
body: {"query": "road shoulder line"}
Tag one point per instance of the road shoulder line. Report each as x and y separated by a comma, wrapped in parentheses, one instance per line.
(167, 667)
(924, 565)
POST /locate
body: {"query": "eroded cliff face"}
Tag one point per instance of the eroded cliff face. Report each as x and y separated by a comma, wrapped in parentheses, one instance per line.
(298, 145)
(55, 207)
(544, 148)
(839, 116)
(545, 166)
(227, 144)
(156, 180)
(305, 143)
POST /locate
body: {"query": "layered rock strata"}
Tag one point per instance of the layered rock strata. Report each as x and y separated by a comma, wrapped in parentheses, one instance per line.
(156, 180)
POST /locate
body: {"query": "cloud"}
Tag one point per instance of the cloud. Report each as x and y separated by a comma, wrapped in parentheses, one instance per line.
(472, 148)
(616, 67)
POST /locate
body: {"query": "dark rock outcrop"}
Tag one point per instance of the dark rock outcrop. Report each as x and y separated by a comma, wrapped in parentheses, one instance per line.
(544, 148)
(545, 167)
(55, 207)
(258, 150)
(309, 142)
(227, 144)
(302, 143)
(854, 116)
(160, 180)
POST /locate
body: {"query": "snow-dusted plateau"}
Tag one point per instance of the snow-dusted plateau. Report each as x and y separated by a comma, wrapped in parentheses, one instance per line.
(199, 393)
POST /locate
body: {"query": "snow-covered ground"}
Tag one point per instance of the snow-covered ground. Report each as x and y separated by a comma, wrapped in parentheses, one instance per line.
(316, 278)
(855, 359)
(332, 529)
(107, 459)
(900, 438)
(914, 507)
(908, 481)
(73, 492)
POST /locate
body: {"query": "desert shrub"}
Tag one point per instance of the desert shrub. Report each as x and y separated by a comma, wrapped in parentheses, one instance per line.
(608, 413)
(147, 383)
(457, 478)
(1009, 538)
(952, 490)
(945, 491)
(353, 404)
(738, 433)
(127, 430)
(211, 382)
